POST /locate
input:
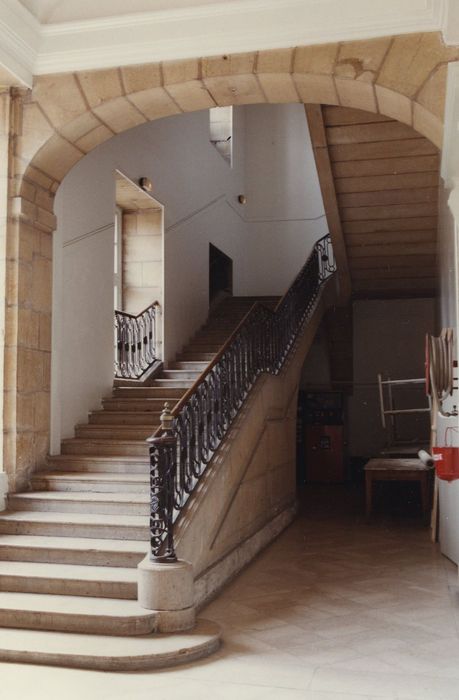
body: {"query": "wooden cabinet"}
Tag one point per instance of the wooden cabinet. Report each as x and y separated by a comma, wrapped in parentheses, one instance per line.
(324, 447)
(320, 438)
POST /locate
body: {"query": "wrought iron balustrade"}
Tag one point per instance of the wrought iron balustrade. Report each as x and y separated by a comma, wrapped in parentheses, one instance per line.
(189, 436)
(136, 341)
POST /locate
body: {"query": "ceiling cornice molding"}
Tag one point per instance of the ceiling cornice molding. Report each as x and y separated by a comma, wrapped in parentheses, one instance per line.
(19, 40)
(226, 28)
(232, 8)
(205, 30)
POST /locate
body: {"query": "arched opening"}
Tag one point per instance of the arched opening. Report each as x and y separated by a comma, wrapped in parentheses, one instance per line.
(58, 128)
(249, 497)
(267, 236)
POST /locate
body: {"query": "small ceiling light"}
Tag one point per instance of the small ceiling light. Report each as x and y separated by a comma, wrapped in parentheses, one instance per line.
(146, 184)
(242, 199)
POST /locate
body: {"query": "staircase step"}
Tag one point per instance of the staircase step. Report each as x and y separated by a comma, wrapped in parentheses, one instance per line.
(100, 463)
(82, 502)
(96, 482)
(72, 550)
(158, 392)
(137, 404)
(107, 653)
(180, 374)
(225, 323)
(77, 446)
(81, 614)
(182, 384)
(86, 525)
(69, 549)
(191, 365)
(195, 356)
(204, 347)
(141, 418)
(114, 431)
(144, 392)
(68, 579)
(211, 335)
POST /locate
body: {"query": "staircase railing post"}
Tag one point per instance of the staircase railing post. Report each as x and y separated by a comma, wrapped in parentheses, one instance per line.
(165, 583)
(163, 466)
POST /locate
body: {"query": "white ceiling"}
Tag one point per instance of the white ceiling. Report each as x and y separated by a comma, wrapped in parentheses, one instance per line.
(54, 11)
(52, 36)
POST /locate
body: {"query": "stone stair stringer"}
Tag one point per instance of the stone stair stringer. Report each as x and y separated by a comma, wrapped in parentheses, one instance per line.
(248, 492)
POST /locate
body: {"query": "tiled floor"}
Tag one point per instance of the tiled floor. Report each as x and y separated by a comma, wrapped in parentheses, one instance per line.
(335, 609)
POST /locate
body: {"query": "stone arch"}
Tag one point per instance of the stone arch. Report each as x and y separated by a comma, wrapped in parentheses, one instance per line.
(66, 116)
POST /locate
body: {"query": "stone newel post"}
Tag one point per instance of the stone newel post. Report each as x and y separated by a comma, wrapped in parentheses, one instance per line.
(165, 584)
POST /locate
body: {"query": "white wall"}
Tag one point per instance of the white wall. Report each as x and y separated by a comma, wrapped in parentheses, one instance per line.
(193, 182)
(284, 211)
(268, 240)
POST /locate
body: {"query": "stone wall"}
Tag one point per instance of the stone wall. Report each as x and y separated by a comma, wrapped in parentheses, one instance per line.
(142, 259)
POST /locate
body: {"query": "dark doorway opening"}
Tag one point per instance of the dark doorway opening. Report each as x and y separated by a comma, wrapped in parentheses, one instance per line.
(220, 274)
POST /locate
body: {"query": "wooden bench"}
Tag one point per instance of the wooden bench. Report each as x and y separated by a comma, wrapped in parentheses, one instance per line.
(384, 469)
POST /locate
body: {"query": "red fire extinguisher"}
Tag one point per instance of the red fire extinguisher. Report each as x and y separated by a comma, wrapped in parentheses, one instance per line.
(447, 458)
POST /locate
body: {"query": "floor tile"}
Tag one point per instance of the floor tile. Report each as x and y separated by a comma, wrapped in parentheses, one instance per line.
(334, 609)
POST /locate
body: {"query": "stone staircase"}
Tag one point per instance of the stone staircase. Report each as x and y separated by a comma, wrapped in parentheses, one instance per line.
(69, 548)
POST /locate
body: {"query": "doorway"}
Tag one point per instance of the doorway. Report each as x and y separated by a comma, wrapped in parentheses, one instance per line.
(220, 274)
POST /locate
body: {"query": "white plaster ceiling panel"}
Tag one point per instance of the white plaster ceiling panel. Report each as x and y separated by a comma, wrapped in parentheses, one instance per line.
(50, 36)
(54, 11)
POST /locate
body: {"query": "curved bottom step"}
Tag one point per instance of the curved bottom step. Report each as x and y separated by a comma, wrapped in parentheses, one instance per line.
(103, 653)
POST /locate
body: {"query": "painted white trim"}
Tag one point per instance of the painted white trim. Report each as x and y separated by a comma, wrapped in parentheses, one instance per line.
(201, 12)
(453, 199)
(450, 152)
(89, 234)
(272, 220)
(233, 26)
(193, 214)
(236, 208)
(3, 490)
(450, 22)
(19, 40)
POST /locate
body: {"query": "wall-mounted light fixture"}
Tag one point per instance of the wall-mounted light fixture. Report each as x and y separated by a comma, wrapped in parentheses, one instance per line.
(146, 184)
(242, 199)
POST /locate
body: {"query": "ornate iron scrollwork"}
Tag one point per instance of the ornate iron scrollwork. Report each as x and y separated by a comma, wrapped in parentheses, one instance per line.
(190, 435)
(135, 342)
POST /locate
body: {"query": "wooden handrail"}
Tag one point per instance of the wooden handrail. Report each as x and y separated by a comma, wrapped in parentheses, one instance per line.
(217, 357)
(126, 313)
(179, 405)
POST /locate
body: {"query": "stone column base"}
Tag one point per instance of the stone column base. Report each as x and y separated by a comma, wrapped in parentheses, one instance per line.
(169, 590)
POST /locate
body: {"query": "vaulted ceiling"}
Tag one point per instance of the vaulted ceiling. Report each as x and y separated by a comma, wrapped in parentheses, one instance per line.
(379, 180)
